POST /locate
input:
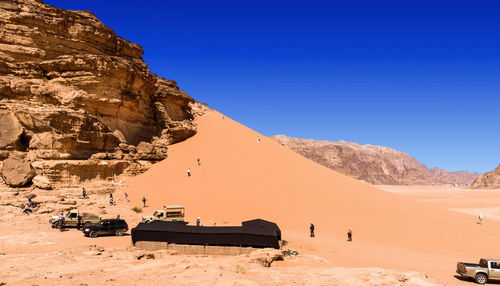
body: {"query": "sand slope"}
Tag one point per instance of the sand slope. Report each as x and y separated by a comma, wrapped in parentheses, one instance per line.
(240, 179)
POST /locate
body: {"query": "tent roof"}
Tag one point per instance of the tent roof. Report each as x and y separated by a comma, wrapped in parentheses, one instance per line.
(257, 227)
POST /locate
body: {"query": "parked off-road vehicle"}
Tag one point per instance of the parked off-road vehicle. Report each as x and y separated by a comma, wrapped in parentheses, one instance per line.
(106, 227)
(170, 213)
(487, 269)
(73, 216)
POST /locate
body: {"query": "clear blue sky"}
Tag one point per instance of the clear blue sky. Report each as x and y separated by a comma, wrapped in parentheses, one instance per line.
(421, 77)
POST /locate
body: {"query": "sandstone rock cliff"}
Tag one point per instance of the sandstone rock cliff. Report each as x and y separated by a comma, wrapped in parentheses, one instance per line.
(373, 164)
(489, 180)
(73, 93)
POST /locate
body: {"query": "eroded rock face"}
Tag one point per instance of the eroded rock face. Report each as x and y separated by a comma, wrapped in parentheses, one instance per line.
(70, 89)
(10, 130)
(490, 180)
(71, 172)
(374, 164)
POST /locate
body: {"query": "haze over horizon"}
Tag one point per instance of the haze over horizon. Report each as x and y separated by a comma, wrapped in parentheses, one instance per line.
(422, 78)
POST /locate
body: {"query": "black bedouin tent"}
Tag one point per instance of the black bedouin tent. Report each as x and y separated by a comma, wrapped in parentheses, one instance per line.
(253, 233)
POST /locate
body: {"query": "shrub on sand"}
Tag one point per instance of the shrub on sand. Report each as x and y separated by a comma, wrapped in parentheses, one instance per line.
(241, 269)
(137, 209)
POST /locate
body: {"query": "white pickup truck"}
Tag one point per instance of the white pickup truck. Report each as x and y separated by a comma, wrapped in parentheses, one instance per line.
(487, 269)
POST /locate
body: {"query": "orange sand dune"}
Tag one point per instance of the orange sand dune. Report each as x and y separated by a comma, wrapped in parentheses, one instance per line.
(240, 178)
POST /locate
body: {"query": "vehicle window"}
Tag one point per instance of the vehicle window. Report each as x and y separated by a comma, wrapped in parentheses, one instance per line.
(174, 214)
(72, 215)
(495, 265)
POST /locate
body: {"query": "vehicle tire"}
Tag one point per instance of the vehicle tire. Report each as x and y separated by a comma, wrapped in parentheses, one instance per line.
(87, 224)
(54, 225)
(119, 232)
(481, 278)
(93, 234)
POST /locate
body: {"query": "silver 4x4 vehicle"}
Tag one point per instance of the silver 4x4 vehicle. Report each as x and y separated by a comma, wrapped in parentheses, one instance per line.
(487, 269)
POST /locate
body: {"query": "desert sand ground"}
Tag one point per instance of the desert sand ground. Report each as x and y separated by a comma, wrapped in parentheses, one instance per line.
(402, 236)
(32, 253)
(460, 199)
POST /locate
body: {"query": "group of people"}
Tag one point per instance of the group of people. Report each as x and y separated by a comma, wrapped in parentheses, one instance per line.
(27, 208)
(189, 169)
(349, 229)
(349, 232)
(111, 198)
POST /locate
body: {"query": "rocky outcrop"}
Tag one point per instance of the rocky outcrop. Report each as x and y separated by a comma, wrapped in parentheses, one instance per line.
(71, 89)
(42, 182)
(17, 170)
(374, 164)
(490, 180)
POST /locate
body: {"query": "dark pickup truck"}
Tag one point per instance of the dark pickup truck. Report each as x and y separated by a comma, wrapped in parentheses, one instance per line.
(487, 269)
(106, 227)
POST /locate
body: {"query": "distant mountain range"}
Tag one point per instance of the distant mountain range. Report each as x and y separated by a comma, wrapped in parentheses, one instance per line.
(373, 164)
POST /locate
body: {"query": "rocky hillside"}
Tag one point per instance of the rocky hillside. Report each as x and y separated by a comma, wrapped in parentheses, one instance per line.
(374, 164)
(77, 102)
(488, 180)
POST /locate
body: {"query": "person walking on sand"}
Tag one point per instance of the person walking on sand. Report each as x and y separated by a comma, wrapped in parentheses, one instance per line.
(111, 200)
(198, 221)
(258, 139)
(480, 218)
(311, 229)
(126, 196)
(349, 234)
(84, 193)
(199, 163)
(143, 202)
(189, 172)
